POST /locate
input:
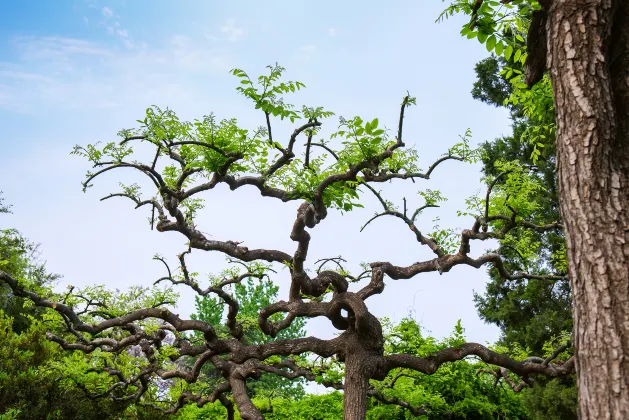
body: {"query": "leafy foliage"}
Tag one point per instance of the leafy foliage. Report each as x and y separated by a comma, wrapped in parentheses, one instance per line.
(38, 379)
(457, 391)
(530, 313)
(130, 347)
(252, 296)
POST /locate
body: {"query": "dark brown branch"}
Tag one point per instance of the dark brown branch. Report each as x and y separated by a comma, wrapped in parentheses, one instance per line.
(151, 173)
(502, 373)
(557, 352)
(430, 364)
(288, 154)
(329, 150)
(491, 187)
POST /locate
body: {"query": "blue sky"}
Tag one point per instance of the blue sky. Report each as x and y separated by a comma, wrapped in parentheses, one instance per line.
(79, 71)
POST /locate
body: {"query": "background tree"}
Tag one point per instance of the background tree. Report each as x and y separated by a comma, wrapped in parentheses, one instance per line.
(466, 389)
(529, 313)
(37, 378)
(585, 45)
(253, 296)
(195, 157)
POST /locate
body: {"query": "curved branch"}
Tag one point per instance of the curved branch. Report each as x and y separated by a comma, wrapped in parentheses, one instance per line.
(430, 364)
(329, 150)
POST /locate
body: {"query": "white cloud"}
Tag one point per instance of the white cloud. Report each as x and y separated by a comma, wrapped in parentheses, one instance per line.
(72, 73)
(107, 12)
(195, 58)
(86, 20)
(51, 48)
(233, 32)
(331, 31)
(123, 33)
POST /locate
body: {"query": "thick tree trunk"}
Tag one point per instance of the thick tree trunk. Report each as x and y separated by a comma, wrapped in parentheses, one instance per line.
(363, 361)
(588, 53)
(356, 386)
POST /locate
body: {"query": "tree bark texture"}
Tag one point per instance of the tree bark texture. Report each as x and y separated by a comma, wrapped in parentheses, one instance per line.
(356, 386)
(588, 57)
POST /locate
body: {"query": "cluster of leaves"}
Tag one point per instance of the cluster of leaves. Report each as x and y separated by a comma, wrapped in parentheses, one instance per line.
(4, 208)
(252, 295)
(208, 146)
(34, 381)
(456, 391)
(529, 313)
(38, 379)
(502, 27)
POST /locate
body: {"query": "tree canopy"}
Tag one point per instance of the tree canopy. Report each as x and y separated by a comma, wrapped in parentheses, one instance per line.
(583, 102)
(140, 350)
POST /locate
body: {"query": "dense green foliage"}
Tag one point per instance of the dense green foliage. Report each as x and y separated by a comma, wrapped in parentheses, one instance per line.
(33, 381)
(530, 313)
(252, 295)
(533, 314)
(456, 391)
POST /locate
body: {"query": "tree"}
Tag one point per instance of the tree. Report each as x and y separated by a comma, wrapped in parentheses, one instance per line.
(585, 46)
(529, 313)
(252, 298)
(205, 153)
(533, 313)
(36, 379)
(462, 390)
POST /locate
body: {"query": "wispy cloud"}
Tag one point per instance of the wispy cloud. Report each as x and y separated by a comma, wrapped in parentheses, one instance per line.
(332, 31)
(193, 57)
(72, 73)
(232, 32)
(59, 48)
(113, 27)
(107, 12)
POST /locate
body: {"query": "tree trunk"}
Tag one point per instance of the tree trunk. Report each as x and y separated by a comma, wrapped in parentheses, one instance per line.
(588, 56)
(231, 414)
(356, 386)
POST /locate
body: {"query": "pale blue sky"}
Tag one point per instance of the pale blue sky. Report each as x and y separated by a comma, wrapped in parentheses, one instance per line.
(78, 71)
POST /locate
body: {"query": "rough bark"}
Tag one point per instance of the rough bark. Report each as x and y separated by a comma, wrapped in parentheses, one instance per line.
(588, 48)
(356, 387)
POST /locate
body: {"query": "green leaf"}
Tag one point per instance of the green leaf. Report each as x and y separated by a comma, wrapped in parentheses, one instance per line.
(491, 43)
(499, 48)
(508, 52)
(517, 55)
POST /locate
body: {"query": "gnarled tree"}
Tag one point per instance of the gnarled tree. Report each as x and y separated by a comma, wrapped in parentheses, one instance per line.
(331, 175)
